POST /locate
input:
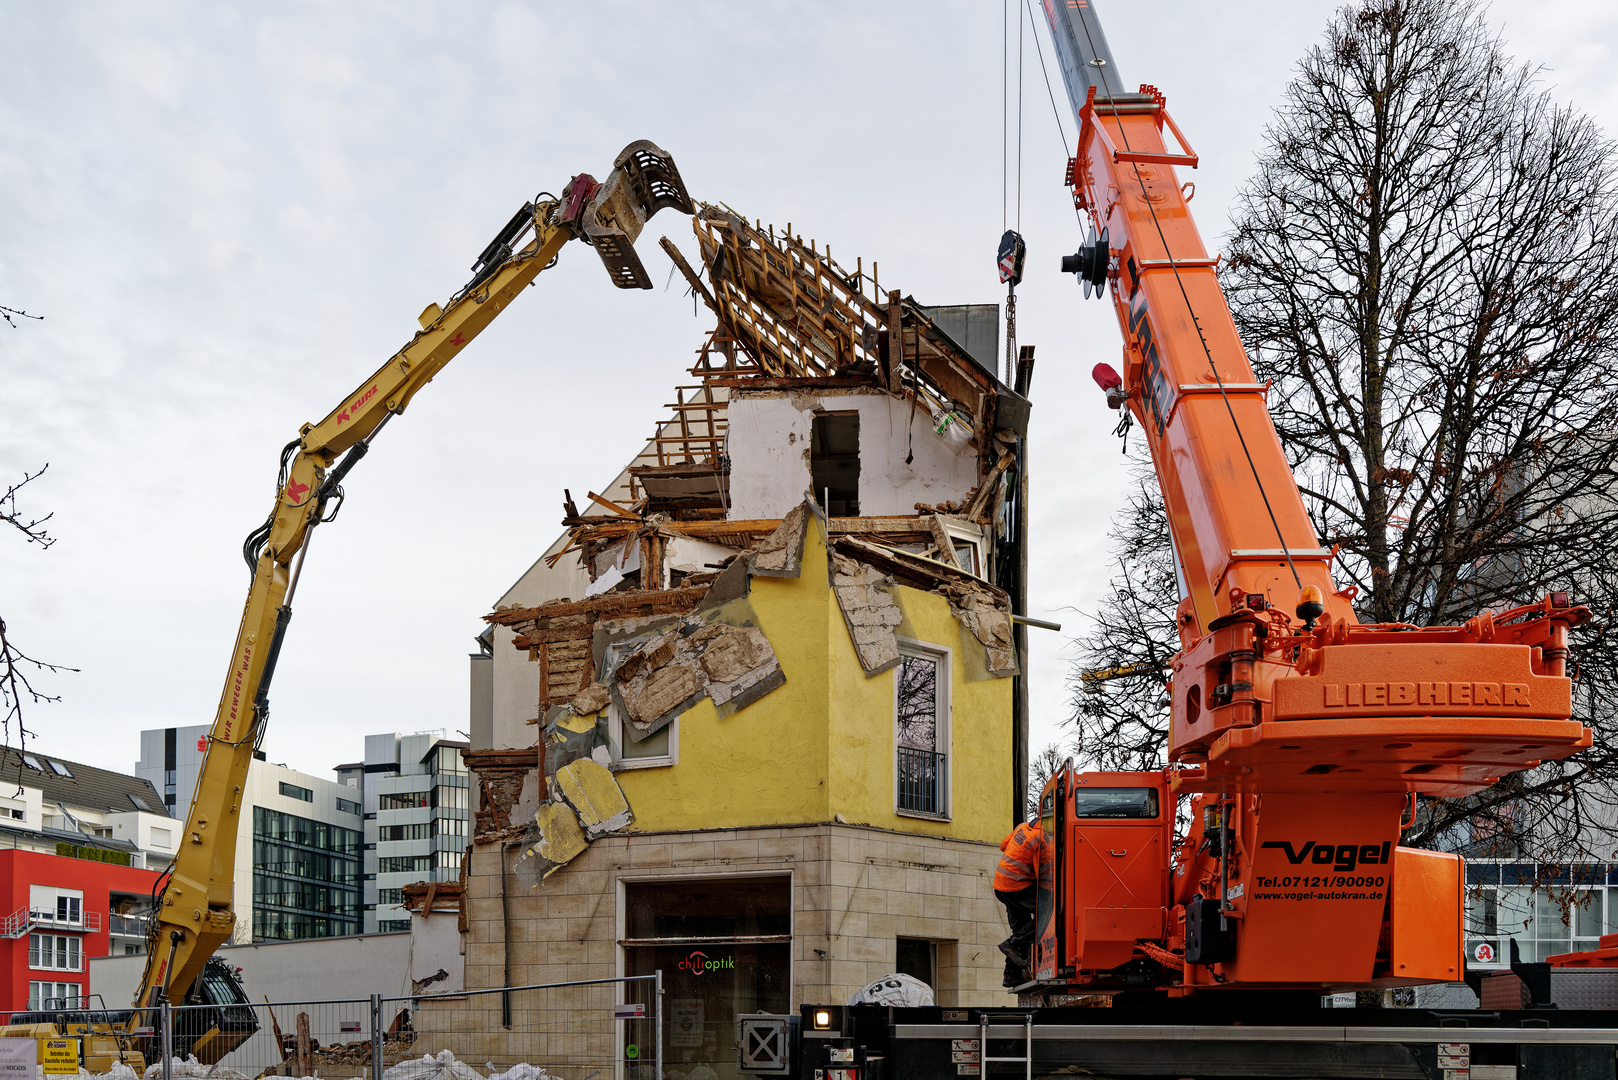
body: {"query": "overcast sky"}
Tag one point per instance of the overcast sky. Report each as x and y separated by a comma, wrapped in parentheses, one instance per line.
(229, 217)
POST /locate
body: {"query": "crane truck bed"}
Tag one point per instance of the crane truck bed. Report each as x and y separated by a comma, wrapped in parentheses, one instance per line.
(1192, 1039)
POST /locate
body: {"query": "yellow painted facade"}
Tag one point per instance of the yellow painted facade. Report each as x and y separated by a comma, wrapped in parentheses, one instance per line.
(822, 744)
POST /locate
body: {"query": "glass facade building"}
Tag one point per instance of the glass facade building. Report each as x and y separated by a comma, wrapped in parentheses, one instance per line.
(417, 798)
(306, 877)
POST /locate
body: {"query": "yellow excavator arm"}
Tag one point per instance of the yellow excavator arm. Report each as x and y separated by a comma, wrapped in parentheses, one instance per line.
(195, 914)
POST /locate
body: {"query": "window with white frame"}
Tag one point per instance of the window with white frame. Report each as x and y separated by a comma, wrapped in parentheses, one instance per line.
(51, 904)
(54, 995)
(921, 730)
(659, 748)
(55, 952)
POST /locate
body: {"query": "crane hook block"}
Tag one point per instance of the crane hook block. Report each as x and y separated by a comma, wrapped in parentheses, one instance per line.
(1012, 253)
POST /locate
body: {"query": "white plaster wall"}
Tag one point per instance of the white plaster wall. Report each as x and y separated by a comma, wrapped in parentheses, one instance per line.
(769, 463)
(435, 945)
(691, 556)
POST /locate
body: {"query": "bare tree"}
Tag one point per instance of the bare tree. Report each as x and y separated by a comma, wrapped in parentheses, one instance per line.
(1423, 266)
(1041, 767)
(11, 314)
(16, 666)
(1120, 682)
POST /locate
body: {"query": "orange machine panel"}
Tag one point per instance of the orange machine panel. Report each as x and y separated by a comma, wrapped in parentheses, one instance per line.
(1311, 904)
(1115, 865)
(1424, 679)
(1110, 933)
(1425, 932)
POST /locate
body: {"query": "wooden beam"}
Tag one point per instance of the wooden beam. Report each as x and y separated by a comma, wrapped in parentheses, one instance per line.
(660, 601)
(610, 505)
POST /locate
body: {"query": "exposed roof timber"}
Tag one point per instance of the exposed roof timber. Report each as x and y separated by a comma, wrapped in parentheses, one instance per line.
(791, 316)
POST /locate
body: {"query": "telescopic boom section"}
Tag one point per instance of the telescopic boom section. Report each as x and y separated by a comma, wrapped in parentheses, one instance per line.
(195, 915)
(1266, 633)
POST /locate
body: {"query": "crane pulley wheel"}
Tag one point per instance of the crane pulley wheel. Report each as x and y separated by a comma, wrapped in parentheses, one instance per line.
(1090, 264)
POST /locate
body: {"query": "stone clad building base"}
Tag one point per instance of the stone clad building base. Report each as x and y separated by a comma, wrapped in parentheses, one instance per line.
(855, 891)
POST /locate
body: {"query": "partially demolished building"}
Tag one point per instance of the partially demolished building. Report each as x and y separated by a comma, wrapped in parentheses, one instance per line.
(756, 704)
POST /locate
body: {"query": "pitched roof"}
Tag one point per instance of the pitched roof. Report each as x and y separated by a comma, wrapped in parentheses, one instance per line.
(76, 785)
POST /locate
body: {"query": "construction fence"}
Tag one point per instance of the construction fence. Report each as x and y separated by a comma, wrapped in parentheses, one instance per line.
(602, 1029)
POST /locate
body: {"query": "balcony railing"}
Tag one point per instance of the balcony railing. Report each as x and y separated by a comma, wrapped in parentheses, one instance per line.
(129, 925)
(22, 920)
(922, 781)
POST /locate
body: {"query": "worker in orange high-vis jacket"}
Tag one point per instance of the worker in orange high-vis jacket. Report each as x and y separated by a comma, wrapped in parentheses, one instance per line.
(1016, 884)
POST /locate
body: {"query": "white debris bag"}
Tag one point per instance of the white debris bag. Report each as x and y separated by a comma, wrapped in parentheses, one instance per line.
(520, 1071)
(903, 991)
(190, 1067)
(428, 1067)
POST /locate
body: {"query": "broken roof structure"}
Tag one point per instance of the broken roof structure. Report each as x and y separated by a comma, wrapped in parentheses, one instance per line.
(831, 421)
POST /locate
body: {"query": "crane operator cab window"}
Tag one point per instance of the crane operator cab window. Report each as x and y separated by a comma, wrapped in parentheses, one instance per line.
(1136, 803)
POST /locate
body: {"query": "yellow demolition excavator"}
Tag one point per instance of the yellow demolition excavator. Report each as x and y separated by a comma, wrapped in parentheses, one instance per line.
(194, 914)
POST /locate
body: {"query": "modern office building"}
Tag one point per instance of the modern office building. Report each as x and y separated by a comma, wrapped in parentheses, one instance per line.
(298, 843)
(416, 818)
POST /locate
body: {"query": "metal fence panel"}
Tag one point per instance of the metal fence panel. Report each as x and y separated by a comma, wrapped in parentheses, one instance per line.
(608, 1029)
(598, 1030)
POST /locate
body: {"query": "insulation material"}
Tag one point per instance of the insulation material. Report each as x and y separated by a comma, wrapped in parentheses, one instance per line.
(870, 612)
(554, 840)
(661, 674)
(781, 553)
(592, 699)
(568, 737)
(595, 795)
(988, 617)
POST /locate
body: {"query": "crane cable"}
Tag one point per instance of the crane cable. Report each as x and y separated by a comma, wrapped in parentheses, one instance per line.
(1208, 352)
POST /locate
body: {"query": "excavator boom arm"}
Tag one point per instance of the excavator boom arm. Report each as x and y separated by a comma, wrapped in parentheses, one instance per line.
(195, 914)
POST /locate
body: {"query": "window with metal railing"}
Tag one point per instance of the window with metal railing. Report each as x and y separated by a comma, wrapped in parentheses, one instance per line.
(921, 730)
(58, 952)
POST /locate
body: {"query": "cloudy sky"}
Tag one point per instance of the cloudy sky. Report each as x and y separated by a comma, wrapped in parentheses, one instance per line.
(230, 214)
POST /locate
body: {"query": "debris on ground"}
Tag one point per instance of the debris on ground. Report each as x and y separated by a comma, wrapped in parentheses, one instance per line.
(445, 1066)
(191, 1067)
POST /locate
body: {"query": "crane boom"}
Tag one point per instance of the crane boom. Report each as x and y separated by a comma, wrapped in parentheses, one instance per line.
(195, 913)
(1300, 735)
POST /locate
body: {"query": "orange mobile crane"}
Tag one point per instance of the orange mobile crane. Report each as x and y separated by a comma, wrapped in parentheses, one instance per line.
(1300, 736)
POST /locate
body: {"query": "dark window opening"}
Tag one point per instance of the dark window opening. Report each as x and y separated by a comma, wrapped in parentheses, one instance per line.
(918, 959)
(834, 462)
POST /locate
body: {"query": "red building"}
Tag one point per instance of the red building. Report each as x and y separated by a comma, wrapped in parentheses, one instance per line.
(58, 913)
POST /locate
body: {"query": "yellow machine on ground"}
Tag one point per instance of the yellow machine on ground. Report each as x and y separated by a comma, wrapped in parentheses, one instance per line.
(194, 915)
(100, 1039)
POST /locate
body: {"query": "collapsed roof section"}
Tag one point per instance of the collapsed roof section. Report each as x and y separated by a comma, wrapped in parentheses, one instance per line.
(792, 316)
(820, 340)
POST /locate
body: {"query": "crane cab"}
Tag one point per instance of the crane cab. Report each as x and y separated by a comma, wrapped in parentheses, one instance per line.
(1103, 877)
